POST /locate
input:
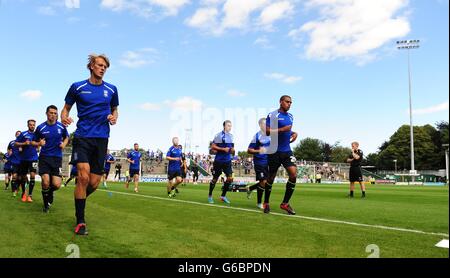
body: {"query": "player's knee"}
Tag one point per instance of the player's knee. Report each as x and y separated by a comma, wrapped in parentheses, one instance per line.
(293, 179)
(83, 180)
(229, 180)
(291, 184)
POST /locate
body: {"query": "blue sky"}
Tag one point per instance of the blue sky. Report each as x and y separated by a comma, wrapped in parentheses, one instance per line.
(181, 64)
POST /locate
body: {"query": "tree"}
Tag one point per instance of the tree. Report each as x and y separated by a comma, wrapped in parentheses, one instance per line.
(398, 147)
(243, 155)
(370, 160)
(327, 151)
(309, 149)
(340, 154)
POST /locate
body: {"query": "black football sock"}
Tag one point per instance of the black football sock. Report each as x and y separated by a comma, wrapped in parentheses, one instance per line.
(267, 191)
(80, 205)
(260, 193)
(211, 188)
(46, 196)
(89, 191)
(351, 193)
(225, 188)
(253, 187)
(364, 193)
(290, 187)
(31, 187)
(22, 185)
(13, 186)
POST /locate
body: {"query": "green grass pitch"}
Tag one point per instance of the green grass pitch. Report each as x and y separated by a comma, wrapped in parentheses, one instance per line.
(122, 223)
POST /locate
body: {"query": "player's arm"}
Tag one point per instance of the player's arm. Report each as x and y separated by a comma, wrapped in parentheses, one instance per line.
(356, 155)
(114, 116)
(278, 130)
(294, 136)
(66, 120)
(219, 149)
(21, 144)
(173, 158)
(64, 143)
(253, 151)
(129, 160)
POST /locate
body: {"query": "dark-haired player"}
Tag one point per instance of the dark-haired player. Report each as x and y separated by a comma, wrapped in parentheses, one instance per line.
(223, 145)
(134, 158)
(109, 159)
(52, 137)
(258, 148)
(28, 160)
(15, 163)
(279, 128)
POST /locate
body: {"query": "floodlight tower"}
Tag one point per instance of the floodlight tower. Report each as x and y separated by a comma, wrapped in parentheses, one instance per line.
(409, 45)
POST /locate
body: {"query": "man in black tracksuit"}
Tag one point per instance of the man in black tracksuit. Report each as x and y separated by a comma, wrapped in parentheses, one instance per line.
(355, 160)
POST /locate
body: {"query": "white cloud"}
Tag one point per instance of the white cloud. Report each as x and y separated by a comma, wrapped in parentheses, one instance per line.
(139, 58)
(148, 106)
(352, 28)
(432, 109)
(31, 95)
(275, 12)
(237, 12)
(283, 77)
(72, 4)
(236, 93)
(203, 18)
(218, 16)
(185, 104)
(145, 8)
(171, 6)
(263, 42)
(46, 10)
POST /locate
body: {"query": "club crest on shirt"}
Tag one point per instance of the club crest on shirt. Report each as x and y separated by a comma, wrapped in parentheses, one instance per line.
(105, 93)
(59, 131)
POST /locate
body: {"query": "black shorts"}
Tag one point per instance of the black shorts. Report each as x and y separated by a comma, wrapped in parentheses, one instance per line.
(222, 167)
(183, 174)
(133, 173)
(92, 151)
(173, 174)
(50, 166)
(262, 172)
(277, 159)
(8, 170)
(356, 174)
(15, 168)
(27, 167)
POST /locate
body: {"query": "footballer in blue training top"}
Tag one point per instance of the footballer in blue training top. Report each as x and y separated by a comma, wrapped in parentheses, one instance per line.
(258, 148)
(279, 127)
(97, 102)
(174, 155)
(109, 159)
(7, 167)
(15, 163)
(52, 137)
(223, 146)
(28, 160)
(134, 158)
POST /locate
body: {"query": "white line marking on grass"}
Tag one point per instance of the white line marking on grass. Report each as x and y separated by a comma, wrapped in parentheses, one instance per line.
(442, 244)
(284, 215)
